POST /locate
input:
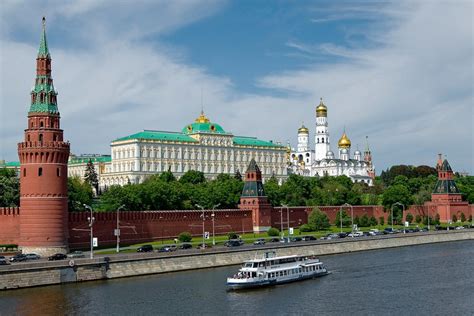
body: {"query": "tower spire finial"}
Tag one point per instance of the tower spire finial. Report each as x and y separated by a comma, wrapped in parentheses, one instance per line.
(43, 49)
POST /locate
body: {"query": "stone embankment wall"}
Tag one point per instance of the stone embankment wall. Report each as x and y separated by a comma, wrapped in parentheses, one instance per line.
(44, 273)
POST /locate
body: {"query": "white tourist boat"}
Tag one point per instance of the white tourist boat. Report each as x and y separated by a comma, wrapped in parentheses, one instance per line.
(271, 270)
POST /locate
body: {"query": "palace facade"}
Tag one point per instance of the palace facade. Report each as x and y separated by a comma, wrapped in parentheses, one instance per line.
(322, 162)
(202, 146)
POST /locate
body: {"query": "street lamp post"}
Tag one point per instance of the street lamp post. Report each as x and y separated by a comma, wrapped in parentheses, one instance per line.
(213, 219)
(403, 209)
(340, 217)
(281, 222)
(117, 231)
(203, 219)
(352, 216)
(428, 218)
(91, 220)
(288, 220)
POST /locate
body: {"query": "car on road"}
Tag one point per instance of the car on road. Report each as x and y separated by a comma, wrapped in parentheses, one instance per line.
(284, 240)
(32, 256)
(3, 261)
(259, 241)
(57, 256)
(168, 248)
(145, 248)
(342, 235)
(274, 239)
(459, 227)
(203, 246)
(18, 258)
(185, 246)
(234, 243)
(76, 254)
(308, 238)
(296, 239)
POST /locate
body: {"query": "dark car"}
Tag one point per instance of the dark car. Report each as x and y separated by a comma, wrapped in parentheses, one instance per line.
(295, 239)
(259, 242)
(342, 235)
(308, 238)
(145, 248)
(169, 248)
(185, 246)
(234, 243)
(203, 246)
(18, 258)
(274, 239)
(57, 256)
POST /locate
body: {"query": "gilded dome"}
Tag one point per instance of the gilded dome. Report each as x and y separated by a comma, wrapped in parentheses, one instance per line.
(202, 118)
(303, 129)
(203, 125)
(321, 109)
(344, 141)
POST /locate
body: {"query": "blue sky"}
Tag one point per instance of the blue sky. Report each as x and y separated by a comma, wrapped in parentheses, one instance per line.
(400, 72)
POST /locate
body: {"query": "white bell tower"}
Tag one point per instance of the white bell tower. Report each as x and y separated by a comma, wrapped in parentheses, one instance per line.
(303, 139)
(321, 139)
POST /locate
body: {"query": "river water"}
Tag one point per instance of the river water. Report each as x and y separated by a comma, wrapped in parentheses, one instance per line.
(436, 279)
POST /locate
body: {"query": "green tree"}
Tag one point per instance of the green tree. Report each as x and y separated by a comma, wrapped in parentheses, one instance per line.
(346, 220)
(318, 220)
(167, 176)
(79, 193)
(273, 232)
(373, 221)
(305, 228)
(185, 237)
(295, 190)
(463, 217)
(418, 219)
(272, 190)
(454, 218)
(396, 193)
(381, 220)
(238, 175)
(90, 176)
(192, 177)
(364, 221)
(9, 188)
(409, 218)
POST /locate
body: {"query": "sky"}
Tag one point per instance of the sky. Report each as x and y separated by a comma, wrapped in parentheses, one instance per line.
(399, 72)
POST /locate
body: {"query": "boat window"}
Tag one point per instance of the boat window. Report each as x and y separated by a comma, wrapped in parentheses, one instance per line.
(255, 264)
(300, 270)
(248, 265)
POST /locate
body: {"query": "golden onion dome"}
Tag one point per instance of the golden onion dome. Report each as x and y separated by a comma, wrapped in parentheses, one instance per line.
(303, 130)
(321, 109)
(202, 118)
(344, 141)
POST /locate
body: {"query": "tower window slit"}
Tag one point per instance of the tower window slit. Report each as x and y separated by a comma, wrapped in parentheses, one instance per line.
(40, 171)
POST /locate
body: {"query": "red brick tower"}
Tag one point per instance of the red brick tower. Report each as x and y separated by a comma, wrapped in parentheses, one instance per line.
(253, 198)
(43, 174)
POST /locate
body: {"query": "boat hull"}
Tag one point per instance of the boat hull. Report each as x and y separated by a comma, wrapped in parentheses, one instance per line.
(263, 283)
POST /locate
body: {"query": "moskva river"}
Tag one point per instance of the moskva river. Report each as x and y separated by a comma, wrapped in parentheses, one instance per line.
(435, 279)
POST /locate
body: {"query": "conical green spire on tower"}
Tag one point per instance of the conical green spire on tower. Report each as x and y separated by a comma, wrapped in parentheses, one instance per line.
(43, 49)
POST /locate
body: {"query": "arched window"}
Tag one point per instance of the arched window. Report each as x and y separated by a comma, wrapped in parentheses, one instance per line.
(40, 171)
(41, 124)
(322, 139)
(28, 137)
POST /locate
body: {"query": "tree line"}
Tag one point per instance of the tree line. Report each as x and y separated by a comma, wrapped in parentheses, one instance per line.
(405, 184)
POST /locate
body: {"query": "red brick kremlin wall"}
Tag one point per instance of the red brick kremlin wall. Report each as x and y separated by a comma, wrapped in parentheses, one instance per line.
(143, 226)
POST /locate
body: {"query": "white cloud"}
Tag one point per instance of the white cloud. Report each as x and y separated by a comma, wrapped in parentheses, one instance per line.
(412, 95)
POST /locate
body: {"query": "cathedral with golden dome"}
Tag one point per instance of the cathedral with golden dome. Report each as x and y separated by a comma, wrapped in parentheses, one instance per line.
(321, 161)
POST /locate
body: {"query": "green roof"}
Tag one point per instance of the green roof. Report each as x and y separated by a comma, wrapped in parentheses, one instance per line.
(43, 49)
(159, 135)
(203, 128)
(10, 164)
(43, 107)
(85, 159)
(253, 141)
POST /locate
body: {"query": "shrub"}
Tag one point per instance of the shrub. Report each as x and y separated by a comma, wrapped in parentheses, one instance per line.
(409, 218)
(463, 217)
(381, 220)
(373, 221)
(418, 219)
(455, 218)
(364, 221)
(272, 232)
(233, 235)
(185, 237)
(305, 228)
(318, 220)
